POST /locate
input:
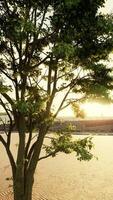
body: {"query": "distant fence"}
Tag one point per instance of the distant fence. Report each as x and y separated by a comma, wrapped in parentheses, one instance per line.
(101, 125)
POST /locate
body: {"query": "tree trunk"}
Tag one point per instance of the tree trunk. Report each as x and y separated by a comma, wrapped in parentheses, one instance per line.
(24, 178)
(29, 187)
(18, 183)
(33, 163)
(18, 190)
(20, 193)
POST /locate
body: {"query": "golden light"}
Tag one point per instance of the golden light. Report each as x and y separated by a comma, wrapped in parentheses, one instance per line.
(92, 110)
(98, 110)
(68, 112)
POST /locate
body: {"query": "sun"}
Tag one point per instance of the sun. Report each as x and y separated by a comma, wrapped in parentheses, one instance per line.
(98, 110)
(92, 110)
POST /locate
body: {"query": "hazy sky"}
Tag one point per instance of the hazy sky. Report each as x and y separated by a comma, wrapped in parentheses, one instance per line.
(108, 7)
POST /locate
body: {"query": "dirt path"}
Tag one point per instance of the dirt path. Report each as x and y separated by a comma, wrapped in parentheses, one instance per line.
(65, 178)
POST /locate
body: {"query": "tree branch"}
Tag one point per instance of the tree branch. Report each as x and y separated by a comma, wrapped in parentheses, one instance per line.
(38, 64)
(52, 95)
(49, 155)
(31, 151)
(72, 101)
(29, 138)
(49, 80)
(7, 75)
(7, 8)
(11, 123)
(60, 107)
(36, 36)
(36, 149)
(7, 97)
(10, 156)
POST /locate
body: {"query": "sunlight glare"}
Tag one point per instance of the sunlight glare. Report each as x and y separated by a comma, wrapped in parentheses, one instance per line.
(92, 110)
(98, 110)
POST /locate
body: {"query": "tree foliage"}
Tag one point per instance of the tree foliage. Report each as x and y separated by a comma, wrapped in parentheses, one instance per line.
(64, 143)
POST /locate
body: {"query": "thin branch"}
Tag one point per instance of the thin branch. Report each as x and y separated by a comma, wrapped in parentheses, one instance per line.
(34, 136)
(38, 64)
(12, 52)
(42, 21)
(72, 83)
(51, 98)
(29, 138)
(31, 150)
(10, 156)
(49, 79)
(55, 81)
(65, 74)
(8, 11)
(36, 36)
(7, 97)
(62, 102)
(7, 75)
(48, 137)
(14, 71)
(4, 126)
(49, 155)
(41, 88)
(41, 77)
(11, 123)
(4, 54)
(27, 36)
(72, 101)
(9, 51)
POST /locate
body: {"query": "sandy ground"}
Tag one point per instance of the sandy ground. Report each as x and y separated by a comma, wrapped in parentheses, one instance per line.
(65, 178)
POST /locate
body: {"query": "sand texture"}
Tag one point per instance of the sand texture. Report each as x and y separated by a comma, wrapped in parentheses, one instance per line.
(65, 178)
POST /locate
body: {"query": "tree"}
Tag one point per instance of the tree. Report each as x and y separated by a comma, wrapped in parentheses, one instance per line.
(49, 50)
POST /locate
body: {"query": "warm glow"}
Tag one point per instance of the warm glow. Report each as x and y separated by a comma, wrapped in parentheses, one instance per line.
(92, 110)
(66, 113)
(98, 110)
